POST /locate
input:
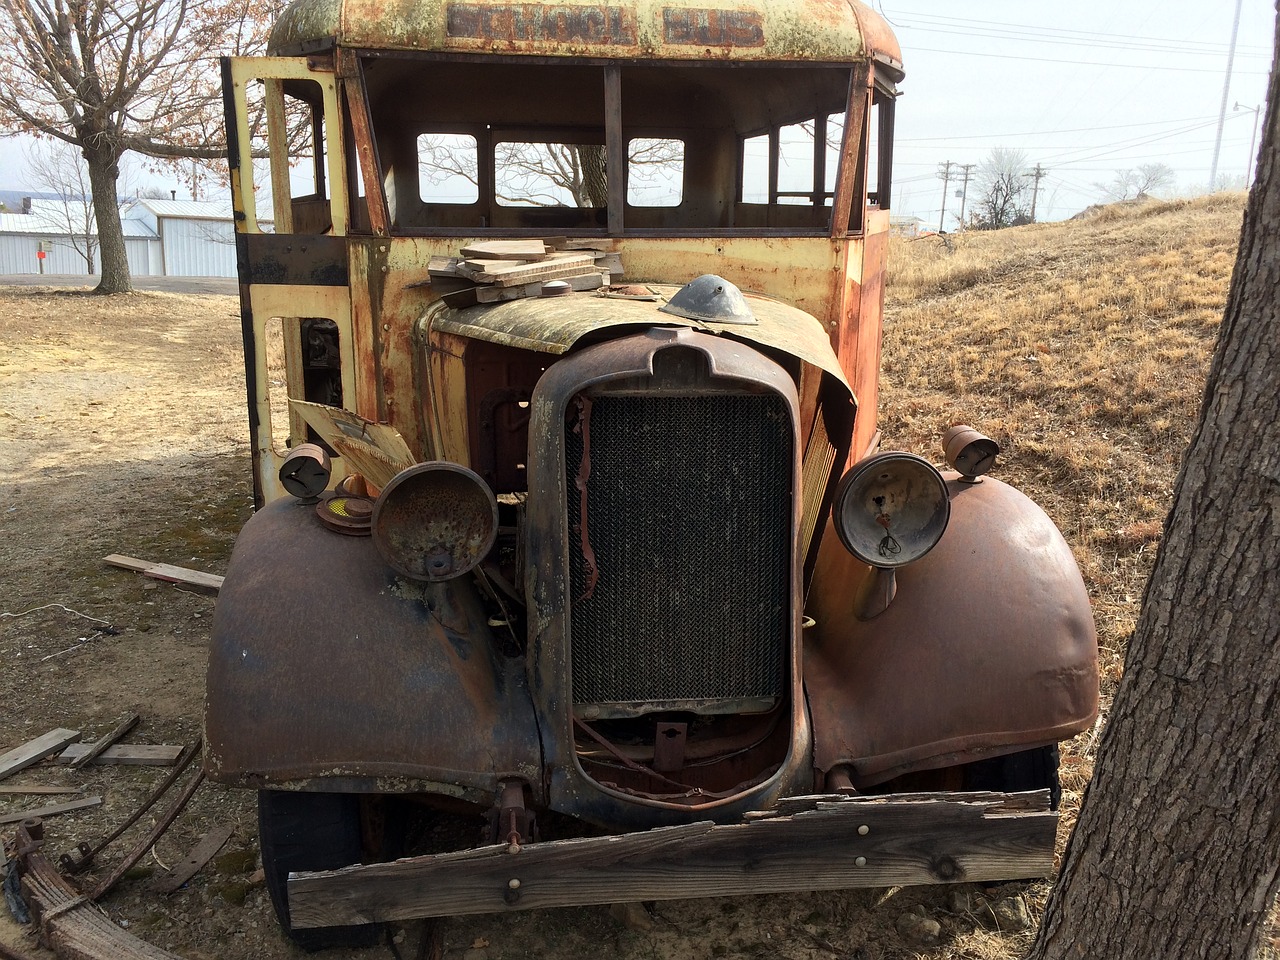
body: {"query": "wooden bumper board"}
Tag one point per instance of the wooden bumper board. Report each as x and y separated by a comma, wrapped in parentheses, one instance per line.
(811, 843)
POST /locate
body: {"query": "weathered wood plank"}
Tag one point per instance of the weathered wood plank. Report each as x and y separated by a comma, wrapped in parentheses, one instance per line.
(207, 582)
(190, 865)
(50, 810)
(33, 751)
(851, 844)
(509, 274)
(506, 250)
(126, 754)
(37, 789)
(100, 747)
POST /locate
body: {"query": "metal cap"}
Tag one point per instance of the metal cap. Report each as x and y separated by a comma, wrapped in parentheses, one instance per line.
(710, 299)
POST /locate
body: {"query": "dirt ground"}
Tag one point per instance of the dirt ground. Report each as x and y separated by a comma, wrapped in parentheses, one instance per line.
(122, 430)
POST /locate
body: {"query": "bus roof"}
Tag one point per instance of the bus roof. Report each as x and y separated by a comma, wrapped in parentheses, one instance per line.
(805, 31)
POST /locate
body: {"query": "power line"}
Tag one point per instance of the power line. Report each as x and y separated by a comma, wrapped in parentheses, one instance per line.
(1085, 63)
(1091, 44)
(1042, 133)
(1083, 34)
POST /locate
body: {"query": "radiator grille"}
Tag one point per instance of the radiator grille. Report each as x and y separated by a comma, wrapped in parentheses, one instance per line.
(688, 515)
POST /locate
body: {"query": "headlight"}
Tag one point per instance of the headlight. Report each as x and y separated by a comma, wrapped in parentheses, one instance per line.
(435, 521)
(891, 509)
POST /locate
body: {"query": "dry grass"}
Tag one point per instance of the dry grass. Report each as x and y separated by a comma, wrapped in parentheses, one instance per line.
(1082, 348)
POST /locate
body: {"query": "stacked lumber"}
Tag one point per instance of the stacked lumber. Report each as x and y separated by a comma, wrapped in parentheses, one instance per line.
(491, 271)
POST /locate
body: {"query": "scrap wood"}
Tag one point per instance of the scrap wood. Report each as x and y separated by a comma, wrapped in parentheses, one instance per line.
(83, 855)
(124, 726)
(509, 274)
(38, 788)
(203, 582)
(9, 953)
(33, 751)
(51, 810)
(183, 871)
(507, 250)
(125, 755)
(69, 924)
(373, 448)
(439, 266)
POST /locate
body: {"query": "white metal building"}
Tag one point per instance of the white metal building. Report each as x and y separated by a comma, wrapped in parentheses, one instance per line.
(196, 236)
(50, 226)
(176, 238)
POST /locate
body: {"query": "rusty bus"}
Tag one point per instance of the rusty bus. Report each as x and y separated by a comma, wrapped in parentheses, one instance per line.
(572, 520)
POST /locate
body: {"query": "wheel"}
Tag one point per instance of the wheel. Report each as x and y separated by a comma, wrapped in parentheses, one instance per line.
(1035, 769)
(311, 831)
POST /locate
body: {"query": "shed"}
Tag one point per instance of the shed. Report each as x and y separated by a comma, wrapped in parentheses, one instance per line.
(57, 229)
(196, 236)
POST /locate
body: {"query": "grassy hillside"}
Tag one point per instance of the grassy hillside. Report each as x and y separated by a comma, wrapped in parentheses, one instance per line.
(1082, 348)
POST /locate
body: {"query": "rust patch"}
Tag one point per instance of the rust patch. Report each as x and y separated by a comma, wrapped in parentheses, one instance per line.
(712, 28)
(528, 22)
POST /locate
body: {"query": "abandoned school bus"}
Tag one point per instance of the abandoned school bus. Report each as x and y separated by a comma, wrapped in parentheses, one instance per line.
(562, 371)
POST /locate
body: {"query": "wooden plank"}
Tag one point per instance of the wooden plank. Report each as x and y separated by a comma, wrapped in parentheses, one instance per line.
(509, 274)
(609, 263)
(126, 754)
(943, 839)
(204, 582)
(51, 810)
(500, 294)
(189, 866)
(37, 789)
(439, 266)
(506, 250)
(100, 747)
(33, 751)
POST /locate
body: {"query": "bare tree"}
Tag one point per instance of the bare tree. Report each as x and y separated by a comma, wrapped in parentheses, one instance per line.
(1138, 183)
(1000, 198)
(1177, 849)
(544, 174)
(58, 169)
(108, 76)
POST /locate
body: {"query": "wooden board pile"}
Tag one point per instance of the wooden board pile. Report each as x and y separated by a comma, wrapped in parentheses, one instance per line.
(492, 271)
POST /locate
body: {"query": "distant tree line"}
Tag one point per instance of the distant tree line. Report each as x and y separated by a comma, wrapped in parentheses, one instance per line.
(1004, 188)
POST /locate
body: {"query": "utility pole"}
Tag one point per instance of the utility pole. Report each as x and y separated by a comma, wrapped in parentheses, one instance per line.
(944, 174)
(1253, 142)
(1038, 174)
(964, 189)
(1222, 111)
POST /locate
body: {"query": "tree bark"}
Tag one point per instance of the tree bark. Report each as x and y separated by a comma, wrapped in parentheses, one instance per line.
(104, 171)
(1177, 849)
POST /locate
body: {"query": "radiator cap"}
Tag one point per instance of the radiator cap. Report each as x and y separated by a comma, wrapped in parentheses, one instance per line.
(710, 299)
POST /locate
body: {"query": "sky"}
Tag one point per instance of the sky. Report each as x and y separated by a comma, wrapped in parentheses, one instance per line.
(1084, 89)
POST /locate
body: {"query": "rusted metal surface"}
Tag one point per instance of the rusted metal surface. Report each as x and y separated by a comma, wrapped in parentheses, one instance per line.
(81, 858)
(435, 521)
(631, 364)
(310, 260)
(148, 840)
(797, 30)
(69, 923)
(988, 646)
(411, 687)
(555, 326)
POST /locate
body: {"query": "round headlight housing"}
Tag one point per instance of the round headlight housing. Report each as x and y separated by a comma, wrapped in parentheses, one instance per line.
(891, 509)
(435, 521)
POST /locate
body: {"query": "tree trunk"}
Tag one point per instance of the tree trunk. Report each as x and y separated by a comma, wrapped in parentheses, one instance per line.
(1177, 850)
(104, 171)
